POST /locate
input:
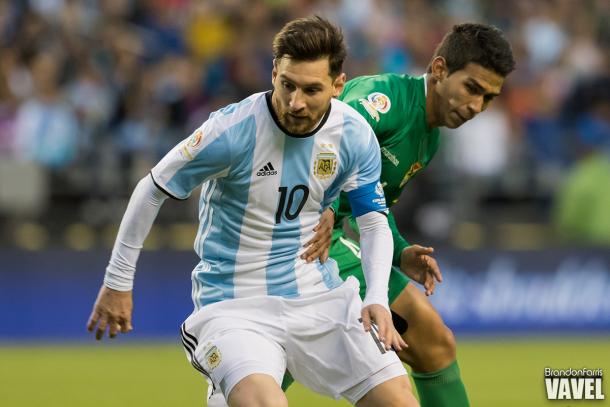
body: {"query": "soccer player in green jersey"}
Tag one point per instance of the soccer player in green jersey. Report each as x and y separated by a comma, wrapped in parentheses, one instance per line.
(466, 72)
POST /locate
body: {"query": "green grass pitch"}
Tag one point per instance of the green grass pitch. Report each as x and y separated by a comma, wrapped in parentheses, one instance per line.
(497, 372)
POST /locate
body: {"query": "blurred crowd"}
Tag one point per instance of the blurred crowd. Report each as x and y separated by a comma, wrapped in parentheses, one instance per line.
(94, 92)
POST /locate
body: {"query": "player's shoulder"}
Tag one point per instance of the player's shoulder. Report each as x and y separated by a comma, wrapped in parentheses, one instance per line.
(350, 116)
(238, 111)
(383, 80)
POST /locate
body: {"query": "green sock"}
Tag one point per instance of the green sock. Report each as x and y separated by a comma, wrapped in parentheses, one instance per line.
(443, 388)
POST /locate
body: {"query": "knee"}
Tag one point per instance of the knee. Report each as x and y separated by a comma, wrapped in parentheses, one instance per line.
(446, 343)
(432, 345)
(438, 352)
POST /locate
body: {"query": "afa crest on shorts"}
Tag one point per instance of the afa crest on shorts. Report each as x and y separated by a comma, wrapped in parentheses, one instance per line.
(325, 165)
(212, 357)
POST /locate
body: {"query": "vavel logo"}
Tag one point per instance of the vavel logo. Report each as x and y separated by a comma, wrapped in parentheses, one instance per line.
(571, 384)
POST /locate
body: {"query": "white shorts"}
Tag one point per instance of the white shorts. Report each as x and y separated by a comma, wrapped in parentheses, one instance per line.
(319, 339)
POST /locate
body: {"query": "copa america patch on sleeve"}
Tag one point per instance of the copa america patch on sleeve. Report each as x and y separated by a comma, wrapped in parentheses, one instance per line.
(380, 102)
(573, 384)
(190, 144)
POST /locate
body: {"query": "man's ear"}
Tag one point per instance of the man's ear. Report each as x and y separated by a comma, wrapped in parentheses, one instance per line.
(274, 71)
(338, 84)
(439, 69)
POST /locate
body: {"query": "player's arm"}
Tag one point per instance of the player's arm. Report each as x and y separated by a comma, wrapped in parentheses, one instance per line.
(400, 242)
(193, 161)
(368, 207)
(367, 201)
(113, 307)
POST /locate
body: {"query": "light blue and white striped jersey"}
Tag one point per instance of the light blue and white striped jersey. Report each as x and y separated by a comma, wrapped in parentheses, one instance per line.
(263, 191)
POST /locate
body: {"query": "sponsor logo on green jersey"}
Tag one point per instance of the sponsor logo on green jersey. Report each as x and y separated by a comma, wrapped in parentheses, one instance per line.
(391, 157)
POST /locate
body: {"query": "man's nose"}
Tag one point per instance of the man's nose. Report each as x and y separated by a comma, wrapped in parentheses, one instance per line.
(296, 101)
(476, 105)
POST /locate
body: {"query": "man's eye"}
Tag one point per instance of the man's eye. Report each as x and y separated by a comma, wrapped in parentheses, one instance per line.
(287, 85)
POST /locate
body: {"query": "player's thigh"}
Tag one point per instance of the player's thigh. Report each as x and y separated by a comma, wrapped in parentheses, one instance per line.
(257, 390)
(431, 342)
(393, 392)
(326, 336)
(346, 252)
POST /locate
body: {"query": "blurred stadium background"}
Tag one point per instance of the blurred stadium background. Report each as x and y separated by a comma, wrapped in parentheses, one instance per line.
(94, 92)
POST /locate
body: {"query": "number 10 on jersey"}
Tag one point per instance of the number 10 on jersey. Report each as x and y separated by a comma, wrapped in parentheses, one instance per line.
(298, 192)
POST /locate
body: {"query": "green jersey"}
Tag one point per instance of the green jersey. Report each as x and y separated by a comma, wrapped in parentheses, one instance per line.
(395, 107)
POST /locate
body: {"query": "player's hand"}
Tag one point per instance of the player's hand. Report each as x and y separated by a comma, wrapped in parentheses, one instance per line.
(418, 264)
(379, 319)
(318, 246)
(112, 311)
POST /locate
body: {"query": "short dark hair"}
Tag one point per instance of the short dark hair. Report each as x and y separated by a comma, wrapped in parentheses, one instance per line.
(309, 39)
(481, 44)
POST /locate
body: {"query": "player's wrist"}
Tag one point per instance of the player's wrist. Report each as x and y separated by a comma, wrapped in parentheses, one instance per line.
(118, 280)
(379, 298)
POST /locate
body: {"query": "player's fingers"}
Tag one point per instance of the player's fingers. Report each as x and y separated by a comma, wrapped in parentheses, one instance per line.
(421, 250)
(321, 249)
(324, 256)
(126, 325)
(366, 319)
(429, 284)
(309, 252)
(435, 270)
(101, 328)
(400, 343)
(385, 332)
(113, 329)
(395, 343)
(92, 320)
(313, 252)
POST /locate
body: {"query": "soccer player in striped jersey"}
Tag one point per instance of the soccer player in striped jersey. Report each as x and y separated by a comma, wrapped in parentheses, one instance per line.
(269, 166)
(466, 72)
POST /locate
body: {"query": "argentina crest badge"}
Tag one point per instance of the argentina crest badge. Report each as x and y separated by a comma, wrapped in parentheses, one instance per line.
(212, 356)
(325, 165)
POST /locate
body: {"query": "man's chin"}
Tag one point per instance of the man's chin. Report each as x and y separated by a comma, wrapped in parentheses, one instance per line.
(454, 122)
(298, 128)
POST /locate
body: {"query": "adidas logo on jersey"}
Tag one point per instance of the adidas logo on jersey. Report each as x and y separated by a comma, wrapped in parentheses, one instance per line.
(266, 170)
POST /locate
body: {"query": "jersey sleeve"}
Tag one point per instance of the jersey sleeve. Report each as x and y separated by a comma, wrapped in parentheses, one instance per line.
(399, 242)
(376, 99)
(363, 188)
(204, 155)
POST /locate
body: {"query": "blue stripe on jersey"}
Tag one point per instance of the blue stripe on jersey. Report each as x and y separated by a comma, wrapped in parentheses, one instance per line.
(209, 161)
(281, 279)
(330, 273)
(367, 198)
(350, 126)
(205, 208)
(228, 205)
